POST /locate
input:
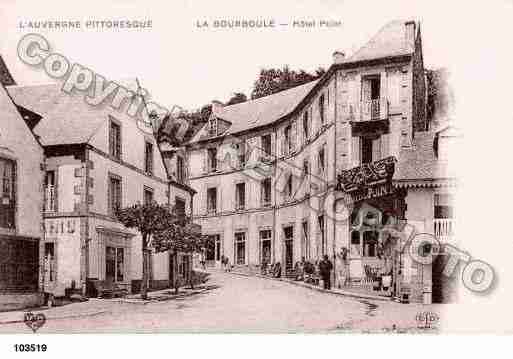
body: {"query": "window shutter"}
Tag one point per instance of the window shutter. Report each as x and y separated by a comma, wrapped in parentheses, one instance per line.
(205, 159)
(376, 149)
(109, 196)
(355, 151)
(293, 134)
(384, 146)
(383, 110)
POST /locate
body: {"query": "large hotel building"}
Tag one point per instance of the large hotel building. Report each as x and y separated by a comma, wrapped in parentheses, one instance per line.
(286, 176)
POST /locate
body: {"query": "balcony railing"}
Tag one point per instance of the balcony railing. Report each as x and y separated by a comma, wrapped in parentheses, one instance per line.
(443, 228)
(376, 109)
(50, 198)
(371, 109)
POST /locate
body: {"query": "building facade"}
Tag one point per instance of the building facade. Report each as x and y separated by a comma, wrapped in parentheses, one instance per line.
(98, 160)
(21, 200)
(311, 171)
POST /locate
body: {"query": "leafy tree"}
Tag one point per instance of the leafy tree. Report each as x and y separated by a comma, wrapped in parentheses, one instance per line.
(439, 94)
(238, 97)
(273, 80)
(179, 236)
(147, 219)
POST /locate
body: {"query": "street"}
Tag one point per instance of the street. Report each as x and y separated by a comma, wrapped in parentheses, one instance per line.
(232, 304)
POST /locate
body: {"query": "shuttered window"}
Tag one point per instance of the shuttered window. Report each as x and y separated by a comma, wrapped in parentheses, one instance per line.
(7, 196)
(115, 140)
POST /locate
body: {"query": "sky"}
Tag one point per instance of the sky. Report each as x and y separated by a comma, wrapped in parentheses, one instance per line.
(185, 65)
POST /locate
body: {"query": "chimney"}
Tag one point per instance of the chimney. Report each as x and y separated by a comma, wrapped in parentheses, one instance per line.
(216, 106)
(410, 34)
(338, 57)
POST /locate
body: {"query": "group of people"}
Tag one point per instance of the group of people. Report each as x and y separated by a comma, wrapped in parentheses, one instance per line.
(306, 271)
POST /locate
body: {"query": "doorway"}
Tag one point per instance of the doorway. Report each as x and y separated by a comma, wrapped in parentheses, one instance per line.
(289, 249)
(213, 251)
(240, 248)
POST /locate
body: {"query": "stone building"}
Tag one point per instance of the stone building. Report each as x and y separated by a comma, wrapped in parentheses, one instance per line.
(97, 159)
(311, 171)
(21, 200)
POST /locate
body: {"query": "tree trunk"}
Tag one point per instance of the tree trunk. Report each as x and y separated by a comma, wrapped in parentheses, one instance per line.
(190, 272)
(175, 271)
(144, 283)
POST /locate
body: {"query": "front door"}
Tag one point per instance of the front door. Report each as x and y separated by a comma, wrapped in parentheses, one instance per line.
(289, 255)
(213, 251)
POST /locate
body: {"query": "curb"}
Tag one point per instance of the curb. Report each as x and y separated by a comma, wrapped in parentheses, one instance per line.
(140, 301)
(304, 285)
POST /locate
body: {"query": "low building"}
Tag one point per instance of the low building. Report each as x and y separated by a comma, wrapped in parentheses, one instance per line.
(21, 200)
(285, 176)
(98, 160)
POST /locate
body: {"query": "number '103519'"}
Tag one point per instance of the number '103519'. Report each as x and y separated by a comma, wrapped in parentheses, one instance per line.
(30, 347)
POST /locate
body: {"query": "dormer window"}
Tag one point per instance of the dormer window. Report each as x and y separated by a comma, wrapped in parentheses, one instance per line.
(212, 126)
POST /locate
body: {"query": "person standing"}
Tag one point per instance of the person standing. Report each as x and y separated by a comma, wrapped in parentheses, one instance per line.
(325, 268)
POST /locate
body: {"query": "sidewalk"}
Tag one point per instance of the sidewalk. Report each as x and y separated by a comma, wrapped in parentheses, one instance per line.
(72, 310)
(336, 291)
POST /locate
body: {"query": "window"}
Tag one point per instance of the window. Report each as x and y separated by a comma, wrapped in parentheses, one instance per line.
(180, 207)
(355, 243)
(114, 264)
(287, 144)
(240, 196)
(114, 194)
(306, 125)
(7, 198)
(265, 243)
(370, 243)
(148, 158)
(266, 192)
(50, 192)
(241, 153)
(366, 149)
(266, 145)
(115, 140)
(306, 241)
(180, 169)
(212, 127)
(322, 160)
(443, 206)
(288, 187)
(322, 234)
(212, 200)
(321, 109)
(375, 87)
(240, 248)
(212, 159)
(148, 195)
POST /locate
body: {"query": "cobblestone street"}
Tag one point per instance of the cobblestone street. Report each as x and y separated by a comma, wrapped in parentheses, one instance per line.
(233, 304)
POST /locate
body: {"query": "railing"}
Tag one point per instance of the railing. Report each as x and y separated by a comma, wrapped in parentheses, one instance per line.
(443, 228)
(50, 198)
(376, 109)
(371, 109)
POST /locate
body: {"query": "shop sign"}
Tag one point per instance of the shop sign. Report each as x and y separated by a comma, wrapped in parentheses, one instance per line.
(55, 226)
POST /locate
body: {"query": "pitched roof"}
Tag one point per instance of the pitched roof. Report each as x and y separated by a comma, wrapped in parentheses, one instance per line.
(264, 110)
(391, 40)
(419, 162)
(5, 76)
(66, 119)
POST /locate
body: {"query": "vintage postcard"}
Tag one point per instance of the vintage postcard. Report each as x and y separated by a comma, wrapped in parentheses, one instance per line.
(260, 167)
